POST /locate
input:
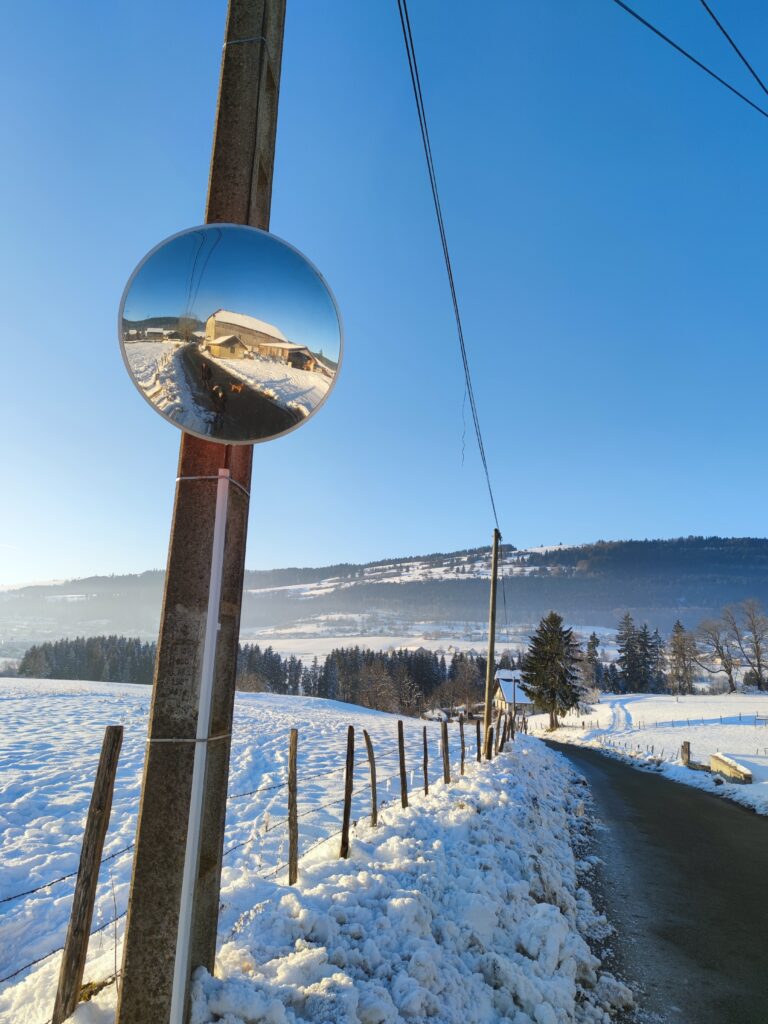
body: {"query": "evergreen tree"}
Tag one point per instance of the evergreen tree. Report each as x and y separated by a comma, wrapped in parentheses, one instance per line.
(505, 661)
(550, 668)
(644, 659)
(658, 662)
(593, 667)
(328, 685)
(612, 678)
(682, 658)
(628, 660)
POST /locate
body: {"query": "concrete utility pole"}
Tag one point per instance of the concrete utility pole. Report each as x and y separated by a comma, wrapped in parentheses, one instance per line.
(203, 591)
(489, 672)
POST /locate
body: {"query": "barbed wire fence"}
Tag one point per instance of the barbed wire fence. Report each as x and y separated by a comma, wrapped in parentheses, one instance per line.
(429, 764)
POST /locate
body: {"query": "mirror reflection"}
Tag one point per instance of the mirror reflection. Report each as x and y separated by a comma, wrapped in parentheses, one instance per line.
(230, 333)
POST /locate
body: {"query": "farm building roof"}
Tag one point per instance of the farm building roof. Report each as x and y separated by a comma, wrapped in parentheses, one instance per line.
(250, 323)
(227, 339)
(290, 346)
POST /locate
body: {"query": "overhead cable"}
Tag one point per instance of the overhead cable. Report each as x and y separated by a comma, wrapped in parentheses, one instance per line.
(413, 67)
(743, 59)
(685, 53)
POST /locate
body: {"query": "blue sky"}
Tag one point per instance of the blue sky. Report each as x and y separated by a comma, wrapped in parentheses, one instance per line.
(236, 268)
(605, 205)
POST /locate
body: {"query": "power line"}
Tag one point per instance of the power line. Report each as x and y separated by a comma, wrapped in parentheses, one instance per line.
(685, 53)
(743, 59)
(413, 67)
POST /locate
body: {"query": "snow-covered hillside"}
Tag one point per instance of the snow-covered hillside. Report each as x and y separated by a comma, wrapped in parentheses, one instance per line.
(649, 730)
(466, 907)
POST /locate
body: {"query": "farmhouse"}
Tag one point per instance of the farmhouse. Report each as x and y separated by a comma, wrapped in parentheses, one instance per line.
(298, 356)
(229, 346)
(259, 337)
(508, 696)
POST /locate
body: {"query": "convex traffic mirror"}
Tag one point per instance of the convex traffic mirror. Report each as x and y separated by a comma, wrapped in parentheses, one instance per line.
(230, 333)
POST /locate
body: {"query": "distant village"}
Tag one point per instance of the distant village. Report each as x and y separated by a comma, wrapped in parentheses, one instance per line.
(230, 335)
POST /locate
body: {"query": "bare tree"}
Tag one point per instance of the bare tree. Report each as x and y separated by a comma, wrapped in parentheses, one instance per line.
(747, 626)
(715, 651)
(469, 683)
(186, 327)
(377, 690)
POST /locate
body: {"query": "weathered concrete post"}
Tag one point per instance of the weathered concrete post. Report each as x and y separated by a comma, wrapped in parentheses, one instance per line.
(489, 672)
(240, 189)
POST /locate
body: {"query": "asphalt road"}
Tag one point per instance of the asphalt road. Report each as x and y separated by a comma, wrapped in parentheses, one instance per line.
(247, 414)
(685, 882)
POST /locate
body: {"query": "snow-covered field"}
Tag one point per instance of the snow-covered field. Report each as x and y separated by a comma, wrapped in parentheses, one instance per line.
(286, 385)
(467, 907)
(649, 729)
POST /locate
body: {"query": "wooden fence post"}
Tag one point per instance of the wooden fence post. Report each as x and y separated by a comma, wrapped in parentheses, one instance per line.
(401, 750)
(685, 752)
(372, 765)
(348, 776)
(446, 753)
(426, 764)
(293, 813)
(78, 932)
(500, 732)
(479, 746)
(461, 738)
(490, 744)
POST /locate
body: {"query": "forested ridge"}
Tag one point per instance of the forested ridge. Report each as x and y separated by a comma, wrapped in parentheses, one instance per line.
(591, 585)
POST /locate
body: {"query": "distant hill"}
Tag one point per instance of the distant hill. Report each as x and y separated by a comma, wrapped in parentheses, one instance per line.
(658, 581)
(157, 321)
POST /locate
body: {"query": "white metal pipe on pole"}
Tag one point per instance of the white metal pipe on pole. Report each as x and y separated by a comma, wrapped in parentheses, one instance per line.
(192, 854)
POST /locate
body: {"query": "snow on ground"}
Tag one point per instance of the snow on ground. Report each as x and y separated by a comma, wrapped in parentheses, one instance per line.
(286, 385)
(157, 369)
(649, 729)
(466, 907)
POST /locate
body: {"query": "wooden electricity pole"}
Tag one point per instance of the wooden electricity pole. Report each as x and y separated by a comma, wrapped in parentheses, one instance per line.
(489, 672)
(200, 622)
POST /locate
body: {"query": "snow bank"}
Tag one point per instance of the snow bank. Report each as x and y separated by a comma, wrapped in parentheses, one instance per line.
(286, 385)
(648, 729)
(466, 907)
(157, 368)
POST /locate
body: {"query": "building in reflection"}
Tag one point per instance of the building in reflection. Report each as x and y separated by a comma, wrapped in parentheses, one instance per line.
(232, 335)
(228, 346)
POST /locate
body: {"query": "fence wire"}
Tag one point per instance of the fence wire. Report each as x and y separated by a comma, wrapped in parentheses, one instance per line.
(390, 752)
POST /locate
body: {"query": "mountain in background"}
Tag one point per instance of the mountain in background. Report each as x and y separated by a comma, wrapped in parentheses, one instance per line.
(159, 321)
(443, 594)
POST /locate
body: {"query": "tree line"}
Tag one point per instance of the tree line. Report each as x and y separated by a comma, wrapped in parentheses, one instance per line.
(405, 681)
(108, 659)
(730, 647)
(556, 671)
(401, 681)
(557, 674)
